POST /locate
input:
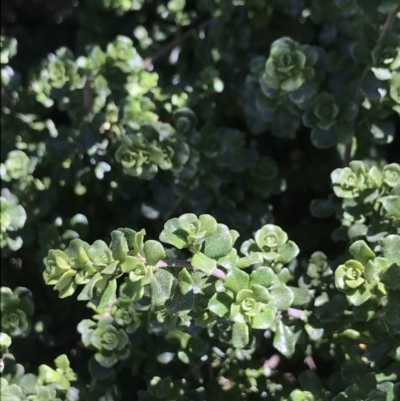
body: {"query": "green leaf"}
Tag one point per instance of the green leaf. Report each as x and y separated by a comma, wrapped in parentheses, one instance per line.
(390, 248)
(10, 392)
(281, 297)
(47, 375)
(323, 139)
(314, 333)
(179, 302)
(374, 267)
(301, 296)
(110, 269)
(387, 6)
(358, 296)
(292, 83)
(87, 291)
(119, 246)
(62, 362)
(310, 381)
(298, 395)
(391, 277)
(229, 261)
(288, 252)
(236, 280)
(265, 319)
(107, 295)
(361, 251)
(383, 131)
(285, 339)
(220, 304)
(263, 276)
(284, 276)
(203, 263)
(29, 383)
(5, 341)
(132, 290)
(169, 236)
(248, 260)
(65, 280)
(208, 224)
(240, 335)
(219, 243)
(392, 315)
(161, 287)
(153, 252)
(99, 253)
(18, 216)
(99, 372)
(370, 86)
(185, 281)
(391, 204)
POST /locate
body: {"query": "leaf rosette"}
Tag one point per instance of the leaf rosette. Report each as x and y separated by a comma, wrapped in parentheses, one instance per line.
(12, 218)
(17, 165)
(288, 65)
(324, 112)
(359, 278)
(81, 263)
(272, 243)
(122, 54)
(125, 315)
(386, 56)
(391, 174)
(251, 301)
(202, 236)
(348, 182)
(16, 310)
(111, 344)
(185, 120)
(154, 147)
(59, 70)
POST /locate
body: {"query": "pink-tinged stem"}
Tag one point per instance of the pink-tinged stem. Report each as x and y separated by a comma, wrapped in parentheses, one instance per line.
(272, 362)
(218, 273)
(309, 361)
(296, 313)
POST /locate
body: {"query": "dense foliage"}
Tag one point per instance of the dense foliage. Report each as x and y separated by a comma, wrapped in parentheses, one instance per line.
(200, 200)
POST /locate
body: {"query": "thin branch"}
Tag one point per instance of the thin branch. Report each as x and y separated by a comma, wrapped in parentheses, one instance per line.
(179, 263)
(90, 391)
(171, 211)
(391, 18)
(389, 21)
(175, 42)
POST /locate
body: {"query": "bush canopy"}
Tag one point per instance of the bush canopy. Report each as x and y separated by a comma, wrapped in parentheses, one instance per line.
(200, 200)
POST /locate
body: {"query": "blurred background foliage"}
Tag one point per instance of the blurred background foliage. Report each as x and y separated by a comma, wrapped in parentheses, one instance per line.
(80, 77)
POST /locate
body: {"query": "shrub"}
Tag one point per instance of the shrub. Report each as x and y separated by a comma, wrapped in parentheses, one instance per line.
(200, 201)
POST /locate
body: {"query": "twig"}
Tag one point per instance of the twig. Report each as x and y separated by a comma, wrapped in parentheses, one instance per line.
(175, 42)
(171, 211)
(89, 394)
(179, 263)
(391, 18)
(389, 21)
